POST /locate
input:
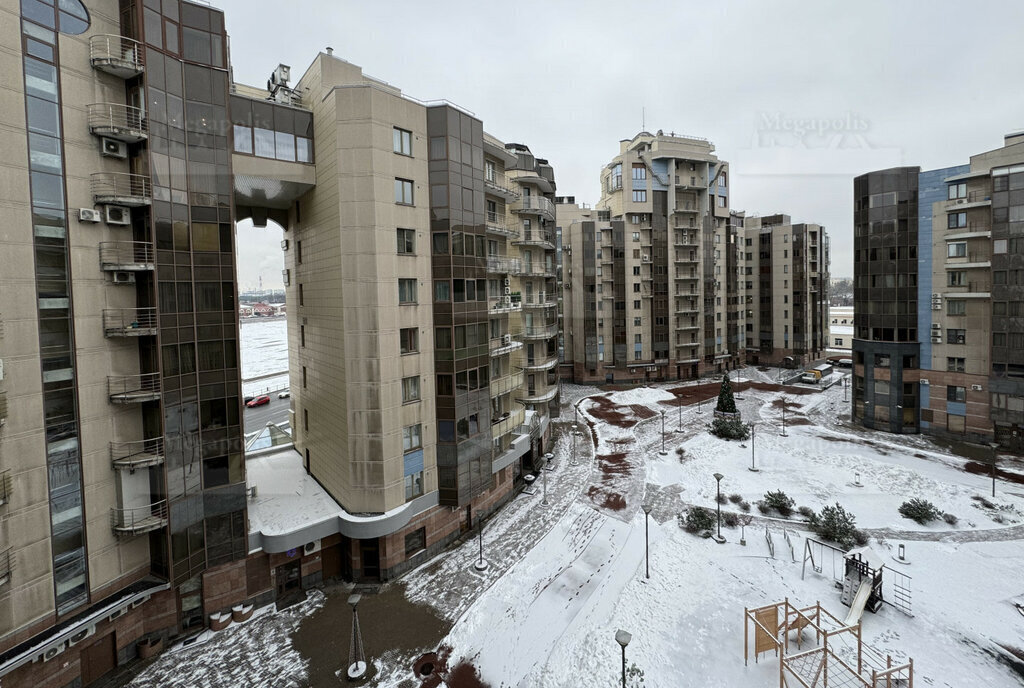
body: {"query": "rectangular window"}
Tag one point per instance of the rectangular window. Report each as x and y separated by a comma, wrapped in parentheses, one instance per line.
(956, 307)
(639, 172)
(301, 299)
(415, 541)
(489, 175)
(409, 338)
(956, 278)
(957, 190)
(955, 365)
(305, 377)
(407, 241)
(407, 291)
(403, 191)
(412, 437)
(881, 386)
(956, 249)
(402, 141)
(410, 389)
(639, 195)
(956, 336)
(413, 489)
(956, 220)
(954, 393)
(881, 360)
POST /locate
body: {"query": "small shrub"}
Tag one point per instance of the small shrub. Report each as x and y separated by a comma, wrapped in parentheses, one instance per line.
(729, 429)
(779, 501)
(735, 498)
(919, 510)
(698, 518)
(680, 451)
(950, 519)
(836, 524)
(744, 506)
(806, 511)
(860, 537)
(998, 518)
(983, 501)
(721, 498)
(730, 520)
(762, 507)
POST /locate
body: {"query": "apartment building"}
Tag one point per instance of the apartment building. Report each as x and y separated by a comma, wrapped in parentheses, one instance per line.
(421, 283)
(937, 343)
(664, 282)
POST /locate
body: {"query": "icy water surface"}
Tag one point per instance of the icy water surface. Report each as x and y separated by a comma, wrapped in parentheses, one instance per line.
(264, 347)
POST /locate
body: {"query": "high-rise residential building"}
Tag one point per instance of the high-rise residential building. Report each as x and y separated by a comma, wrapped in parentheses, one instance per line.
(937, 296)
(663, 282)
(422, 287)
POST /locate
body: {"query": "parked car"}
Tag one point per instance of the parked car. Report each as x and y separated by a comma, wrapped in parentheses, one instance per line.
(259, 401)
(247, 399)
(285, 394)
(845, 362)
(809, 378)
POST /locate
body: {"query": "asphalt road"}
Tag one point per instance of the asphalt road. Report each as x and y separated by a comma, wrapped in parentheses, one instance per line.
(275, 412)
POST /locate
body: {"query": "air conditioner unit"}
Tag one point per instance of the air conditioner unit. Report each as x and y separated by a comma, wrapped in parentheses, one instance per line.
(976, 388)
(936, 306)
(112, 148)
(508, 300)
(118, 215)
(141, 601)
(52, 652)
(647, 258)
(116, 614)
(508, 290)
(924, 381)
(960, 340)
(936, 326)
(508, 282)
(81, 635)
(506, 339)
(284, 244)
(89, 215)
(286, 277)
(311, 547)
(961, 201)
(124, 277)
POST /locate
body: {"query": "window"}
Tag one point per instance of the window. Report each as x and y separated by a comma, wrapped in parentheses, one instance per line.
(305, 377)
(636, 270)
(302, 335)
(956, 307)
(489, 171)
(999, 246)
(407, 241)
(636, 287)
(301, 299)
(636, 237)
(412, 437)
(882, 360)
(881, 387)
(957, 190)
(406, 290)
(956, 278)
(721, 201)
(956, 220)
(639, 195)
(956, 336)
(415, 541)
(410, 389)
(637, 322)
(954, 393)
(410, 340)
(639, 172)
(955, 365)
(636, 305)
(402, 141)
(403, 191)
(956, 249)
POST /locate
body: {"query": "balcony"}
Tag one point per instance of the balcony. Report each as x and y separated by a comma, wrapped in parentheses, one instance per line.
(531, 270)
(687, 241)
(140, 454)
(689, 276)
(974, 199)
(506, 384)
(687, 326)
(535, 205)
(504, 304)
(503, 265)
(541, 300)
(507, 422)
(116, 55)
(126, 256)
(116, 121)
(498, 186)
(538, 363)
(540, 331)
(499, 346)
(539, 238)
(690, 182)
(140, 519)
(129, 322)
(121, 188)
(133, 389)
(496, 224)
(535, 397)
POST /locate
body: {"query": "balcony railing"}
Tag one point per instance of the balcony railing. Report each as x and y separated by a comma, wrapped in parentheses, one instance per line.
(540, 301)
(690, 181)
(506, 383)
(538, 363)
(980, 197)
(503, 265)
(499, 346)
(118, 121)
(534, 270)
(540, 331)
(138, 454)
(533, 396)
(140, 519)
(116, 55)
(133, 389)
(496, 224)
(121, 188)
(536, 238)
(507, 422)
(118, 256)
(535, 205)
(129, 322)
(499, 187)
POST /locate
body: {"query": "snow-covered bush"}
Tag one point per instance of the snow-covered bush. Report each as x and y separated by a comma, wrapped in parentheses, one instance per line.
(805, 511)
(836, 524)
(744, 506)
(729, 429)
(699, 519)
(779, 501)
(726, 403)
(730, 520)
(721, 498)
(920, 510)
(950, 519)
(735, 498)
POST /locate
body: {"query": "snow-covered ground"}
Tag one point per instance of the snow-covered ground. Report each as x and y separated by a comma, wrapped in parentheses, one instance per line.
(565, 576)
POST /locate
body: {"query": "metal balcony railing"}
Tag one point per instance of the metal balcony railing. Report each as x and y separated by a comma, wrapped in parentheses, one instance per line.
(545, 362)
(533, 396)
(499, 346)
(534, 204)
(6, 566)
(131, 389)
(503, 264)
(977, 196)
(534, 270)
(117, 55)
(540, 238)
(139, 519)
(121, 188)
(117, 256)
(138, 454)
(540, 301)
(506, 383)
(496, 224)
(117, 121)
(507, 422)
(540, 331)
(498, 186)
(129, 322)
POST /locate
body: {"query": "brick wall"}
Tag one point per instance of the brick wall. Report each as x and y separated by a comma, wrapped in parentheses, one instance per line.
(223, 587)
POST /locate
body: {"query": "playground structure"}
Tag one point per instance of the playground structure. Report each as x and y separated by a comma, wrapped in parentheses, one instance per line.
(838, 659)
(859, 571)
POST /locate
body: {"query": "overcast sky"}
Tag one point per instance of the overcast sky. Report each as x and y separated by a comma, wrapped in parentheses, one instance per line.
(799, 97)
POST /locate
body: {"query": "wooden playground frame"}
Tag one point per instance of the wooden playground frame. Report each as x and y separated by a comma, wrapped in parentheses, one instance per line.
(821, 666)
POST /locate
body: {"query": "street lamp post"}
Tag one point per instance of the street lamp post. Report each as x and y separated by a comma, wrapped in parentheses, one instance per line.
(623, 638)
(718, 503)
(547, 460)
(784, 417)
(357, 665)
(995, 458)
(575, 434)
(846, 388)
(753, 468)
(680, 407)
(647, 536)
(663, 452)
(480, 564)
